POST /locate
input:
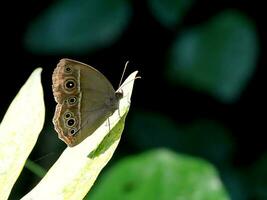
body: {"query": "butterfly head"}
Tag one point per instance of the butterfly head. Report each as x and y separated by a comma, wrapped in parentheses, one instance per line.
(118, 95)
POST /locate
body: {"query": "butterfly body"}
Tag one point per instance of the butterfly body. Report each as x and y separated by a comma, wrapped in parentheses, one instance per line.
(85, 99)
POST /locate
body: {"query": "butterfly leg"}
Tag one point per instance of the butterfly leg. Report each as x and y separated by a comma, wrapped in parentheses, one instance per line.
(119, 112)
(108, 125)
(107, 122)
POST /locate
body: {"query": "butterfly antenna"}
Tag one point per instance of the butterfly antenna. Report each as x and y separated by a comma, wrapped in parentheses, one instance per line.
(123, 72)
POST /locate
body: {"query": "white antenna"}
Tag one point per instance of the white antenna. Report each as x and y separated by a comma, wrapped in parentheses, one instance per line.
(123, 73)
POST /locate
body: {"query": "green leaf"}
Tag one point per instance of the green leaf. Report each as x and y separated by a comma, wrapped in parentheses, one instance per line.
(150, 130)
(77, 26)
(35, 168)
(205, 138)
(160, 175)
(19, 131)
(170, 12)
(218, 57)
(208, 139)
(74, 173)
(258, 178)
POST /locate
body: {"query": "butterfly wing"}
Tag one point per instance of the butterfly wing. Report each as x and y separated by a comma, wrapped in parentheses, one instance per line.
(83, 95)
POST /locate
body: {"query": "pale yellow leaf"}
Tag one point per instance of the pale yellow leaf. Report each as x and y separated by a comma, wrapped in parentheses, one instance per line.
(19, 131)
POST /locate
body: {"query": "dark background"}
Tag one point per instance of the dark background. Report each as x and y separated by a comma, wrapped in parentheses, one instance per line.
(145, 43)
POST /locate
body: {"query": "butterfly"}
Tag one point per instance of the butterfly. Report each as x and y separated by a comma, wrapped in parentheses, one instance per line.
(85, 99)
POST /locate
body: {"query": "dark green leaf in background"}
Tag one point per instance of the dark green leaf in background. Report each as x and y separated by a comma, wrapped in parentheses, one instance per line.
(258, 178)
(160, 175)
(169, 12)
(208, 139)
(235, 182)
(76, 26)
(150, 130)
(205, 138)
(217, 57)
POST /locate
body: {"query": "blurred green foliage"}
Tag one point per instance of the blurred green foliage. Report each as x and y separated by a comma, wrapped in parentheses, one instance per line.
(258, 176)
(217, 57)
(159, 175)
(170, 12)
(76, 26)
(205, 138)
(150, 130)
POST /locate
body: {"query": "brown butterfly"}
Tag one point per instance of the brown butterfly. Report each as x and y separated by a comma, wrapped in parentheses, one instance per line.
(85, 99)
